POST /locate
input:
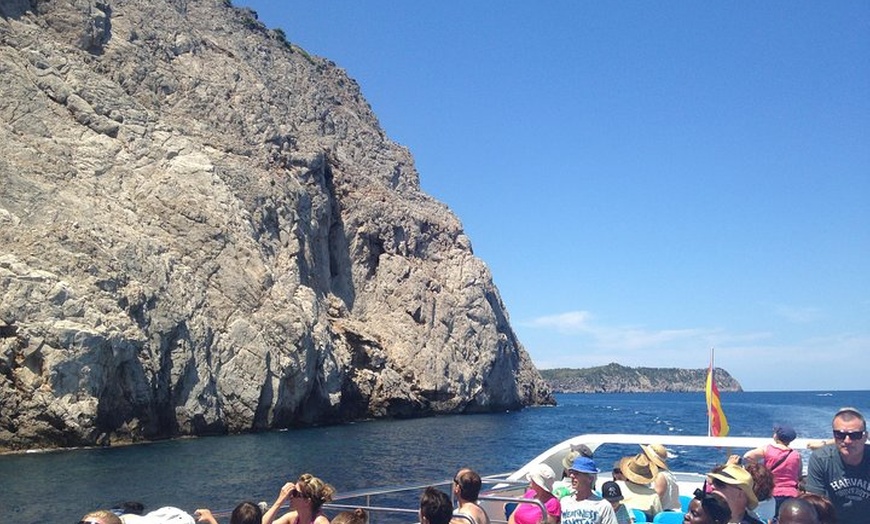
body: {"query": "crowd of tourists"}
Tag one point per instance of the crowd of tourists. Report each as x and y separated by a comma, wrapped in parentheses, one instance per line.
(763, 486)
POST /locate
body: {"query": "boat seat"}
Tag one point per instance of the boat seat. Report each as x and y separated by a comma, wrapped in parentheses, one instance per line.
(509, 508)
(684, 503)
(639, 516)
(669, 517)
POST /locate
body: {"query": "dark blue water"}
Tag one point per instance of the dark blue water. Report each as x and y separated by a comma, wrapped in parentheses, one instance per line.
(219, 472)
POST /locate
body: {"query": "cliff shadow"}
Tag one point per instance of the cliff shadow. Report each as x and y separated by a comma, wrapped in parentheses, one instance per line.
(329, 270)
(15, 9)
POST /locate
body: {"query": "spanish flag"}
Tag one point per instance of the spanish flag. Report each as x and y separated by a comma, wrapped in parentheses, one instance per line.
(717, 424)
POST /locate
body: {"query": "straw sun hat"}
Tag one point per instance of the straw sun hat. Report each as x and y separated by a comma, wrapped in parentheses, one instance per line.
(737, 476)
(657, 454)
(638, 469)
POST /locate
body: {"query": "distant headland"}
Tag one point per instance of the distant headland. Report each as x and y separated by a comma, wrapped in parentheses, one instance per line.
(614, 378)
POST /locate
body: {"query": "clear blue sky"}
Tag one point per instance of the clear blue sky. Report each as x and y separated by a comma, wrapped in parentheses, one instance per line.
(646, 180)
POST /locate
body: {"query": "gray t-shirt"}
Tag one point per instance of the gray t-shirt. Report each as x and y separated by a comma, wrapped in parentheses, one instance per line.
(848, 487)
(593, 510)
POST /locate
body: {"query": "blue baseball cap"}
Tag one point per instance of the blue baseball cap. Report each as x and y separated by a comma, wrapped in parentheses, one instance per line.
(784, 433)
(584, 465)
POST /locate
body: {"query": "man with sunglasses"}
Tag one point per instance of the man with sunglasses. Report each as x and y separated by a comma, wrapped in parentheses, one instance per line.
(736, 486)
(841, 471)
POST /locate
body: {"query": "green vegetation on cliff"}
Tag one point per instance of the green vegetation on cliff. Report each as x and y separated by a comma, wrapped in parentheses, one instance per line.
(614, 378)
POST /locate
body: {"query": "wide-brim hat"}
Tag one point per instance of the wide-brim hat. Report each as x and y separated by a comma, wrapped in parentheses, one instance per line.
(542, 475)
(583, 449)
(578, 450)
(568, 461)
(638, 469)
(584, 465)
(657, 453)
(736, 475)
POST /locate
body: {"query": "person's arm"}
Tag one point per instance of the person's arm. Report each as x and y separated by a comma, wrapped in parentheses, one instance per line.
(204, 515)
(660, 484)
(800, 467)
(816, 444)
(269, 516)
(754, 455)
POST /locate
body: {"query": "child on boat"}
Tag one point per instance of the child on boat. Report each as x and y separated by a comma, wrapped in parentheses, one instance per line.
(610, 491)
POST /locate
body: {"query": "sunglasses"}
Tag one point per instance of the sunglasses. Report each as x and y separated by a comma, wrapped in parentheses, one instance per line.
(854, 435)
(712, 506)
(89, 522)
(718, 484)
(296, 494)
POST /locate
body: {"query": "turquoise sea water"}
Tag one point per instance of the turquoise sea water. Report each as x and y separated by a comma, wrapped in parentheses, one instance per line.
(219, 472)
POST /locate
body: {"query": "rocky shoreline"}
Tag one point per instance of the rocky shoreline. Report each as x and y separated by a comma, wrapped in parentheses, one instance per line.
(614, 378)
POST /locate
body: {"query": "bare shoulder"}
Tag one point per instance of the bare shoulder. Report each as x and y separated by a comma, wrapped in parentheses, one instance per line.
(289, 518)
(482, 518)
(466, 518)
(475, 512)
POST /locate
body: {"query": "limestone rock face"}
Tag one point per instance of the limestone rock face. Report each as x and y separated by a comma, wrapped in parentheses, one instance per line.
(203, 229)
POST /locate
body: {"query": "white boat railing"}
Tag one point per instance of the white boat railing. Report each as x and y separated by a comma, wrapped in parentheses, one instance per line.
(512, 484)
(368, 502)
(345, 501)
(514, 500)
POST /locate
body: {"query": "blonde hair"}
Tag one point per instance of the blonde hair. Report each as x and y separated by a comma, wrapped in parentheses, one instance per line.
(316, 490)
(106, 516)
(356, 516)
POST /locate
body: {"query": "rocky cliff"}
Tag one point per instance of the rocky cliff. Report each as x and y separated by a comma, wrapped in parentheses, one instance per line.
(203, 229)
(614, 378)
